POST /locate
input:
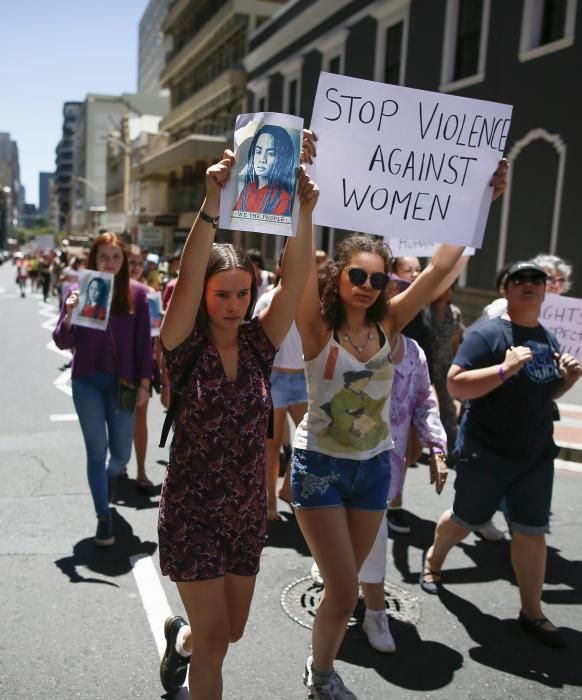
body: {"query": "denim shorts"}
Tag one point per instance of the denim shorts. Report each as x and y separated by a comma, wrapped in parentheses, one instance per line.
(485, 477)
(321, 481)
(288, 388)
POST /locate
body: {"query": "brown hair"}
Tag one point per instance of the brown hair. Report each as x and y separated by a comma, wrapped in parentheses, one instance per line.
(225, 256)
(121, 303)
(332, 308)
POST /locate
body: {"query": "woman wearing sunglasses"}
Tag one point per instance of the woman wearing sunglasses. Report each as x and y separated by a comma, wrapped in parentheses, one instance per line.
(340, 471)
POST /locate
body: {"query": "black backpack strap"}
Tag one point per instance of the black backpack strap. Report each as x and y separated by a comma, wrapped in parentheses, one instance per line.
(176, 393)
(267, 377)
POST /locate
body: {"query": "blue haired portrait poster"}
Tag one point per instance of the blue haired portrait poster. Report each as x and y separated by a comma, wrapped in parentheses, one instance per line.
(261, 193)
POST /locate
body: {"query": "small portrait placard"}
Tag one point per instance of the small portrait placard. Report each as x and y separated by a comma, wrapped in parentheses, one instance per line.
(95, 295)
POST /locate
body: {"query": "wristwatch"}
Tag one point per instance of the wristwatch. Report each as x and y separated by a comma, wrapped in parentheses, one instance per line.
(209, 219)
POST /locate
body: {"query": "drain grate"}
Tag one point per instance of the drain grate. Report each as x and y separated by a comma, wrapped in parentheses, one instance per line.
(300, 600)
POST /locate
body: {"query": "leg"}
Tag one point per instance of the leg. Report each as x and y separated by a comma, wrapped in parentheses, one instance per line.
(339, 540)
(140, 440)
(273, 459)
(447, 535)
(528, 557)
(89, 402)
(217, 610)
(373, 570)
(120, 425)
(296, 411)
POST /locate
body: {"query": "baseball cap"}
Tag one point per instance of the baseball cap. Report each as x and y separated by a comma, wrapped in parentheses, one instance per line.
(524, 266)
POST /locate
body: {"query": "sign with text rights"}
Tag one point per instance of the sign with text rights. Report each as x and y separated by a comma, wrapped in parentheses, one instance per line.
(405, 163)
(563, 316)
(407, 247)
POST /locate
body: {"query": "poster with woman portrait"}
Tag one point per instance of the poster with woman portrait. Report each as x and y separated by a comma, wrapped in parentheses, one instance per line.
(261, 193)
(155, 304)
(95, 294)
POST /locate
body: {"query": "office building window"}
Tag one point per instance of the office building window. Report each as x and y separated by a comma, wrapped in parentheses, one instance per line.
(465, 43)
(547, 26)
(292, 107)
(335, 65)
(393, 53)
(468, 37)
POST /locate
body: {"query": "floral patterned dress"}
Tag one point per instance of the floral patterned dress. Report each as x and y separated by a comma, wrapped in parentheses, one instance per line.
(212, 517)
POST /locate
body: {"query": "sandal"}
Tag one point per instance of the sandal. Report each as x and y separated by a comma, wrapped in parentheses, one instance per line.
(552, 638)
(430, 581)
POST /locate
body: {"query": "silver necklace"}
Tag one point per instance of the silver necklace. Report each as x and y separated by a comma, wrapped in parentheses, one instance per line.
(359, 348)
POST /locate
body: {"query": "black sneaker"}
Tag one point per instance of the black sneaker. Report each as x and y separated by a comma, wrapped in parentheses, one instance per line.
(397, 521)
(173, 666)
(104, 536)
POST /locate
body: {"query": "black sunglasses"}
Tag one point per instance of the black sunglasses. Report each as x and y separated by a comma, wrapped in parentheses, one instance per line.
(534, 279)
(358, 276)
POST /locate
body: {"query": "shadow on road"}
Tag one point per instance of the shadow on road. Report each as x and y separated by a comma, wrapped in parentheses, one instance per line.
(127, 494)
(505, 646)
(110, 561)
(285, 533)
(417, 665)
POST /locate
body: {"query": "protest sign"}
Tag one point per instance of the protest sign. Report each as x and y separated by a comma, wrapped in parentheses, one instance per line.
(396, 161)
(155, 304)
(260, 194)
(45, 243)
(95, 295)
(402, 247)
(563, 316)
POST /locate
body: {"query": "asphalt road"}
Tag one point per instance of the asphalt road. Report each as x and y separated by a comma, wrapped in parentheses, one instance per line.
(81, 623)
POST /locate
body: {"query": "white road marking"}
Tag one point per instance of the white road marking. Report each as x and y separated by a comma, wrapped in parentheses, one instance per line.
(570, 407)
(62, 382)
(64, 353)
(63, 417)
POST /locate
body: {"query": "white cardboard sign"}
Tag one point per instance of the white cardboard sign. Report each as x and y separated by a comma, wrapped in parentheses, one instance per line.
(563, 316)
(261, 192)
(396, 161)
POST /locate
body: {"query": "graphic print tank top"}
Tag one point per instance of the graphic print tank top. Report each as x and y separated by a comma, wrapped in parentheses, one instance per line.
(348, 403)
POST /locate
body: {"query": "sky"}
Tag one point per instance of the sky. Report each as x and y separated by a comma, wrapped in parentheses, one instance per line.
(59, 50)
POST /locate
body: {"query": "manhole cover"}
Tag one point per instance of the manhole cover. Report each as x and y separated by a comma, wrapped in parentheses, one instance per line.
(301, 598)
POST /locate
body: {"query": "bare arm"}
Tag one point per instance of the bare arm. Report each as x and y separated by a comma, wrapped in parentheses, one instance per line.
(181, 314)
(468, 384)
(277, 318)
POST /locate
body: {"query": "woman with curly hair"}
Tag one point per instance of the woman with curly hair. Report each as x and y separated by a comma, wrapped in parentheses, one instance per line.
(340, 477)
(270, 175)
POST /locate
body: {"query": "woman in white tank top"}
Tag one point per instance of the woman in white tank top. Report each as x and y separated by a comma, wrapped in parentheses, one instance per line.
(341, 473)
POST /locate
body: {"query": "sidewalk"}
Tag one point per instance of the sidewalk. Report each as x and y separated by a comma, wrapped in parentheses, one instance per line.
(568, 432)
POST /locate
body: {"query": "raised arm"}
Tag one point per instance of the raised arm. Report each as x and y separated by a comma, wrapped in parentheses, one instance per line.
(181, 314)
(277, 318)
(443, 269)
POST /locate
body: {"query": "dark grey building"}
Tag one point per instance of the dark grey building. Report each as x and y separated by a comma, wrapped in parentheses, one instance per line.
(64, 164)
(522, 52)
(43, 193)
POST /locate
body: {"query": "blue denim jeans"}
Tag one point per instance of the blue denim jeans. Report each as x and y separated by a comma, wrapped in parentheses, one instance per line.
(103, 426)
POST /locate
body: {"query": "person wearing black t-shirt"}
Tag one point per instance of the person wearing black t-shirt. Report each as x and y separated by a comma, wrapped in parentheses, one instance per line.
(510, 370)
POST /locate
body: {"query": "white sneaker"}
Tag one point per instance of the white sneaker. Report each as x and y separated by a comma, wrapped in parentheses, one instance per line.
(316, 574)
(378, 633)
(334, 689)
(491, 533)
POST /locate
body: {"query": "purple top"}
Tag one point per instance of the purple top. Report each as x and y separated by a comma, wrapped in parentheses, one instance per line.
(412, 401)
(95, 350)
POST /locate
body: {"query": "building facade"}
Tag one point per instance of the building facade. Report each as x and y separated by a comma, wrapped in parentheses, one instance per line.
(99, 114)
(64, 165)
(44, 180)
(152, 48)
(526, 53)
(207, 84)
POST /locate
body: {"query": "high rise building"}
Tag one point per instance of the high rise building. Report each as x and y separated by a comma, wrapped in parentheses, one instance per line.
(10, 186)
(64, 165)
(153, 47)
(43, 193)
